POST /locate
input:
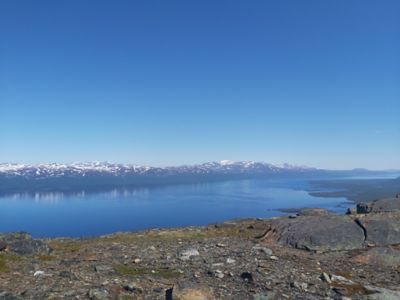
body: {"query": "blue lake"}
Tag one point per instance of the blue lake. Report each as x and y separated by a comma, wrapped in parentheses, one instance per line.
(83, 214)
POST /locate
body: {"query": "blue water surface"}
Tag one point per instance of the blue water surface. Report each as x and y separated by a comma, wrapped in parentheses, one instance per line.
(88, 214)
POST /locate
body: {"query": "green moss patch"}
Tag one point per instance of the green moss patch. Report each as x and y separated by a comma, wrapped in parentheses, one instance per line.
(7, 259)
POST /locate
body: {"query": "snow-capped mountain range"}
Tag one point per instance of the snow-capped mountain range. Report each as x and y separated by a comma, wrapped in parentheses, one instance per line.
(105, 168)
(93, 176)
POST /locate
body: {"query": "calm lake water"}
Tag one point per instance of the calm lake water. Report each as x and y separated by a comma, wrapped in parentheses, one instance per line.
(83, 214)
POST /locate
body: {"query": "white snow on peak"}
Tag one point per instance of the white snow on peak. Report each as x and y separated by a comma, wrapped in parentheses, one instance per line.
(226, 162)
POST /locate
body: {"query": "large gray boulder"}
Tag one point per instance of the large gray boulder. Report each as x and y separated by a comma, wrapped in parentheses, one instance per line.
(376, 223)
(23, 244)
(381, 229)
(317, 233)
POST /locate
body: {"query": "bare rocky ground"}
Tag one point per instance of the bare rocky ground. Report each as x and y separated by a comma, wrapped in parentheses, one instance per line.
(312, 255)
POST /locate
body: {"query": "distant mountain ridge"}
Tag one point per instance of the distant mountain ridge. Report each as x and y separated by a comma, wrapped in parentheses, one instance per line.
(91, 168)
(15, 178)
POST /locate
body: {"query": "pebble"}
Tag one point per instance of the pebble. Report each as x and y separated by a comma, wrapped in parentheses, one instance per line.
(219, 274)
(299, 285)
(247, 276)
(262, 249)
(103, 269)
(188, 253)
(136, 260)
(341, 279)
(325, 277)
(38, 273)
(230, 260)
(133, 288)
(98, 294)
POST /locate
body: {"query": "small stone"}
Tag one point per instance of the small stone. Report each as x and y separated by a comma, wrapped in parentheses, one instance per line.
(217, 265)
(273, 257)
(38, 273)
(299, 285)
(351, 211)
(216, 273)
(158, 290)
(219, 274)
(230, 260)
(220, 245)
(187, 254)
(190, 291)
(67, 274)
(136, 260)
(133, 288)
(247, 276)
(98, 294)
(341, 279)
(262, 249)
(325, 277)
(103, 269)
(268, 295)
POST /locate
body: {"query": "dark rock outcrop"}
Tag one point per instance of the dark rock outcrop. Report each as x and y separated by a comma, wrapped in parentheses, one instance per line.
(381, 229)
(23, 244)
(372, 224)
(379, 206)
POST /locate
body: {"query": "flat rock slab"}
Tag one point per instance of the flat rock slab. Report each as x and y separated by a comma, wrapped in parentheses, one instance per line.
(382, 229)
(317, 233)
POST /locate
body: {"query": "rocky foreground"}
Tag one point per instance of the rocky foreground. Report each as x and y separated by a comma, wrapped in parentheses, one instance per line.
(310, 255)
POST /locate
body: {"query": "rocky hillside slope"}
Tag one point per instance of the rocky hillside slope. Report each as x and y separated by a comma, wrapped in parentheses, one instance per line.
(311, 255)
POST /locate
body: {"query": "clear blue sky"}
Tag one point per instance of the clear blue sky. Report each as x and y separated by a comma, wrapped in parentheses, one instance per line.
(172, 82)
